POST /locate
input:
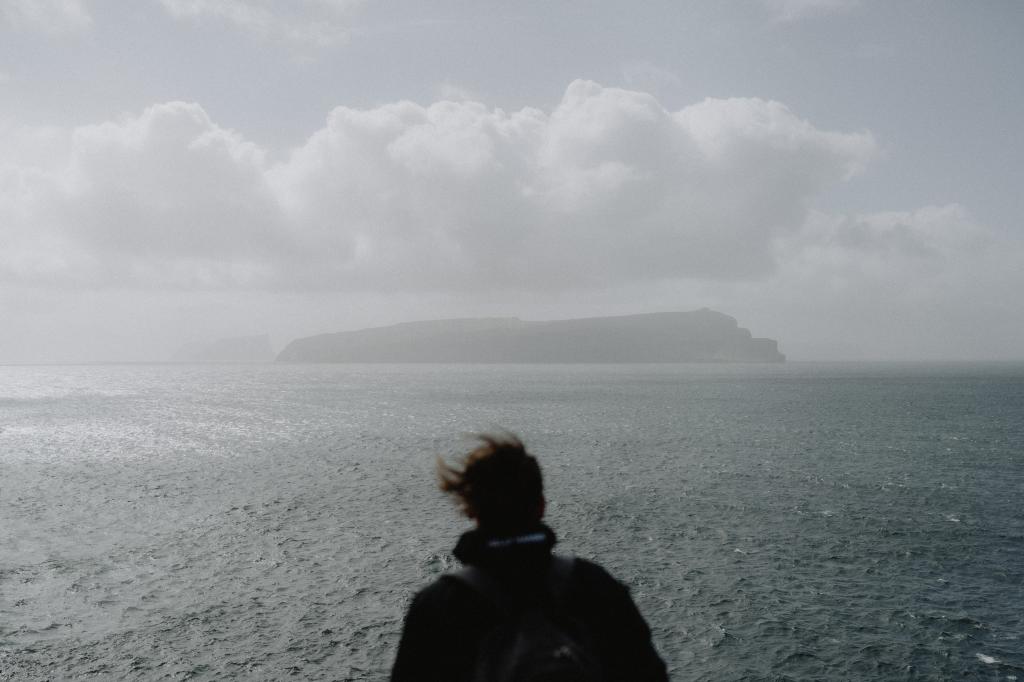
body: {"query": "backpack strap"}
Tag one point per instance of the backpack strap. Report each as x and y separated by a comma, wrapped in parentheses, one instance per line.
(556, 581)
(559, 574)
(483, 584)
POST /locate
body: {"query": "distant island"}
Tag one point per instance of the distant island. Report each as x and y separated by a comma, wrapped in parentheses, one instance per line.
(243, 349)
(697, 336)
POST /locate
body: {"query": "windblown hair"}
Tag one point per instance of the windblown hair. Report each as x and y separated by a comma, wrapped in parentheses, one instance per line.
(499, 484)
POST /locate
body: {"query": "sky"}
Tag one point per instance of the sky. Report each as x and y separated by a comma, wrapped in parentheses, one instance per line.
(844, 176)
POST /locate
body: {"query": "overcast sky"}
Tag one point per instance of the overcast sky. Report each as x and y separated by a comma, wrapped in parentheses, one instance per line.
(843, 176)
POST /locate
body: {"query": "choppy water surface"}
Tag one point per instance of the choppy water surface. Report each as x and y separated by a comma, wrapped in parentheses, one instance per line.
(795, 522)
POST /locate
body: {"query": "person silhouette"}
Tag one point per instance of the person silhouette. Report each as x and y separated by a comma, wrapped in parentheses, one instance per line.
(516, 611)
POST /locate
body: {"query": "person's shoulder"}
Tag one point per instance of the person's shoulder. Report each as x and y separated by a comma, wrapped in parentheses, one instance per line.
(594, 577)
(442, 590)
(446, 594)
(591, 569)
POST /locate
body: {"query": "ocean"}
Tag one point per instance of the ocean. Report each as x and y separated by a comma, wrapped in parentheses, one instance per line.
(782, 522)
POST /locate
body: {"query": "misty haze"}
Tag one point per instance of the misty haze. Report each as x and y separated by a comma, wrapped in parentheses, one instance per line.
(744, 276)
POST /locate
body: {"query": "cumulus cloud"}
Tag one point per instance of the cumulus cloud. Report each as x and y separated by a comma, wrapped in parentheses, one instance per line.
(305, 23)
(606, 203)
(166, 198)
(47, 16)
(608, 187)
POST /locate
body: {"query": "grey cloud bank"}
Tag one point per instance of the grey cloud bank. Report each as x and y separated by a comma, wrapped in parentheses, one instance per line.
(710, 204)
(308, 24)
(53, 17)
(849, 189)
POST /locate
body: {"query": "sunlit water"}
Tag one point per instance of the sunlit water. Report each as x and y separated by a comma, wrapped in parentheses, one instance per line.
(793, 522)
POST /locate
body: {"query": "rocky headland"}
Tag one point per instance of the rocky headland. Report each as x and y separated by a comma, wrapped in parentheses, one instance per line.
(697, 336)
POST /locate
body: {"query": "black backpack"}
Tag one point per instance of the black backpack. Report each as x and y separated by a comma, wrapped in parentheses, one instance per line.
(535, 639)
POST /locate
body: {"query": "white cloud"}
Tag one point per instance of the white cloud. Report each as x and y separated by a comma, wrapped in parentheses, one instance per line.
(304, 23)
(606, 203)
(794, 10)
(607, 188)
(608, 191)
(48, 16)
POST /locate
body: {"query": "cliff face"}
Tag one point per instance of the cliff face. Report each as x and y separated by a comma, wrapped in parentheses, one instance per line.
(237, 349)
(698, 336)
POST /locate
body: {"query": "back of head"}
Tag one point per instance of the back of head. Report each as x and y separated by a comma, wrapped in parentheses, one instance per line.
(498, 484)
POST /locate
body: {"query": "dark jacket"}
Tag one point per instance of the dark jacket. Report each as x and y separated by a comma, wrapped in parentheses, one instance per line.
(447, 619)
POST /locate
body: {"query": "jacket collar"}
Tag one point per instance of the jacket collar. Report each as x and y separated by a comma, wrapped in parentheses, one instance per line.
(479, 547)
